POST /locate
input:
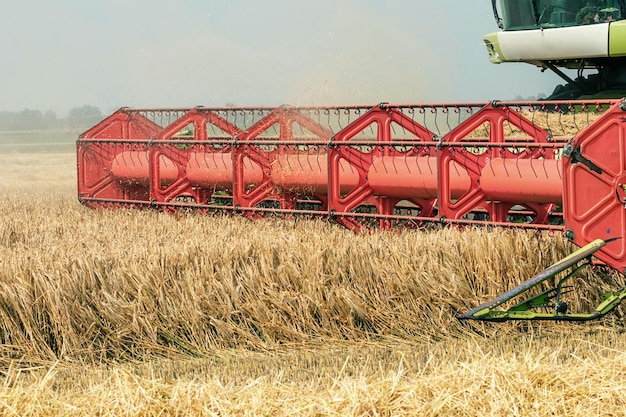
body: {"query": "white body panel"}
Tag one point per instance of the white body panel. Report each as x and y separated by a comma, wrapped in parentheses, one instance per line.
(591, 41)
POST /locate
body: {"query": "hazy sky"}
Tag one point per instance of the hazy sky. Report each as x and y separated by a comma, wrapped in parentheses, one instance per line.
(56, 55)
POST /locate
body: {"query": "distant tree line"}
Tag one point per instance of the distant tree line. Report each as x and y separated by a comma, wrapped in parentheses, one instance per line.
(540, 96)
(78, 117)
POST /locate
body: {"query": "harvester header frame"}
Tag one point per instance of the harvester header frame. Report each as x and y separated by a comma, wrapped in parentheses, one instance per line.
(384, 166)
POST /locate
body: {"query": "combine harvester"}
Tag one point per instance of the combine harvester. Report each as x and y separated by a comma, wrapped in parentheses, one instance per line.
(389, 166)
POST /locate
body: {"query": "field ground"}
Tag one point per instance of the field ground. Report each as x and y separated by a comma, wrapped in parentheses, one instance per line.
(139, 313)
(38, 141)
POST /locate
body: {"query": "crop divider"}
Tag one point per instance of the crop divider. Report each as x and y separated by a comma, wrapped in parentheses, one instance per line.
(549, 300)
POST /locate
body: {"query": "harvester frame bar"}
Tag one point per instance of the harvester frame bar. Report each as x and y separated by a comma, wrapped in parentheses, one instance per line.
(342, 218)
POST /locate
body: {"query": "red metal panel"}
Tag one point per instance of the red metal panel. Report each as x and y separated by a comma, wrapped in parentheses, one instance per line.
(595, 184)
(172, 145)
(271, 156)
(528, 180)
(461, 148)
(122, 125)
(414, 177)
(120, 135)
(366, 158)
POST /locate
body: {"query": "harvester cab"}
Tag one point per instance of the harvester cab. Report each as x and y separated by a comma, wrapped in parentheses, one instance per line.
(565, 36)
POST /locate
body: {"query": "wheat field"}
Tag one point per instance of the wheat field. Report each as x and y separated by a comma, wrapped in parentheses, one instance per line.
(141, 313)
